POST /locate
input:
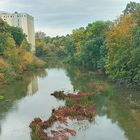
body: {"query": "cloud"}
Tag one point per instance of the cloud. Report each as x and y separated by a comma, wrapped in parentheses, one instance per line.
(61, 16)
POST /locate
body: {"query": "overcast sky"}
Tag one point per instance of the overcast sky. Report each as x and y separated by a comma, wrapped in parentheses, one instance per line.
(59, 17)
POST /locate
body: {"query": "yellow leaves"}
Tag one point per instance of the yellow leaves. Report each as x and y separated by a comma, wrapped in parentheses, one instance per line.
(78, 35)
(3, 66)
(62, 47)
(119, 43)
(122, 28)
(120, 33)
(78, 46)
(2, 76)
(3, 63)
(126, 24)
(26, 58)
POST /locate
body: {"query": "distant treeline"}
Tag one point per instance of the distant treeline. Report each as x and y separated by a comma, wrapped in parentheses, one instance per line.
(110, 47)
(15, 54)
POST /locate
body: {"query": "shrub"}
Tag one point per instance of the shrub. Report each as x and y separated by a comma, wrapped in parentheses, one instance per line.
(6, 72)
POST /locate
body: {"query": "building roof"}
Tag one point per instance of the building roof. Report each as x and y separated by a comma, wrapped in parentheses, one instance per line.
(7, 13)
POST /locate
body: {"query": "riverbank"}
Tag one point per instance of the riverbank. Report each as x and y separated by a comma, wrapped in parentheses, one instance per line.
(16, 56)
(9, 74)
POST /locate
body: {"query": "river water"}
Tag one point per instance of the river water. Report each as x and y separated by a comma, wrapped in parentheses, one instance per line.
(30, 98)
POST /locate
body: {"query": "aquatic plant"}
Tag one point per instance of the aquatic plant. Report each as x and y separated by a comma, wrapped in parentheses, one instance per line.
(1, 97)
(78, 107)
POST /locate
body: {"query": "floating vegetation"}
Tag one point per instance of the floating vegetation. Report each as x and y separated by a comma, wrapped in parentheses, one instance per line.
(78, 107)
(59, 95)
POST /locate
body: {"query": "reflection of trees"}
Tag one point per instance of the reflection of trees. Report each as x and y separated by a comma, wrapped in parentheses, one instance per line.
(116, 107)
(100, 102)
(41, 73)
(12, 92)
(119, 111)
(18, 90)
(79, 78)
(54, 62)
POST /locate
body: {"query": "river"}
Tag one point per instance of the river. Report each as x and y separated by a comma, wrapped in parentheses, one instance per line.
(30, 98)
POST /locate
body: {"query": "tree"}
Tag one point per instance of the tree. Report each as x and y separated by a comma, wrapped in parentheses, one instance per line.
(25, 45)
(91, 51)
(131, 8)
(78, 37)
(40, 35)
(18, 35)
(6, 41)
(123, 46)
(90, 54)
(4, 27)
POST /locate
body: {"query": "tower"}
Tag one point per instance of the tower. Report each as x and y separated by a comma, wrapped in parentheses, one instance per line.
(23, 21)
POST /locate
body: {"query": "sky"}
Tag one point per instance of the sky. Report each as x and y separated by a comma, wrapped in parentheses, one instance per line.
(60, 17)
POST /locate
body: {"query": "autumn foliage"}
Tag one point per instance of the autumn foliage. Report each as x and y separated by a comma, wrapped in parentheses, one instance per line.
(15, 54)
(77, 111)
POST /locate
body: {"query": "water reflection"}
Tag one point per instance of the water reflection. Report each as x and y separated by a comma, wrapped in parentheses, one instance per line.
(31, 98)
(32, 88)
(17, 113)
(102, 129)
(114, 116)
(16, 91)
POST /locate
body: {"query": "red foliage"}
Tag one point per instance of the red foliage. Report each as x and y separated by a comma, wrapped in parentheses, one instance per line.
(78, 112)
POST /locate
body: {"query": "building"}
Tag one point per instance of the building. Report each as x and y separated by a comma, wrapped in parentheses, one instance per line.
(24, 21)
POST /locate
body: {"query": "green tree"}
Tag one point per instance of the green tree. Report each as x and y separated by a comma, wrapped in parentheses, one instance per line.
(91, 52)
(131, 8)
(18, 35)
(6, 41)
(123, 46)
(4, 27)
(25, 45)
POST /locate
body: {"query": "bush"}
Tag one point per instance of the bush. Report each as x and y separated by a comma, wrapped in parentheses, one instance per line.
(6, 72)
